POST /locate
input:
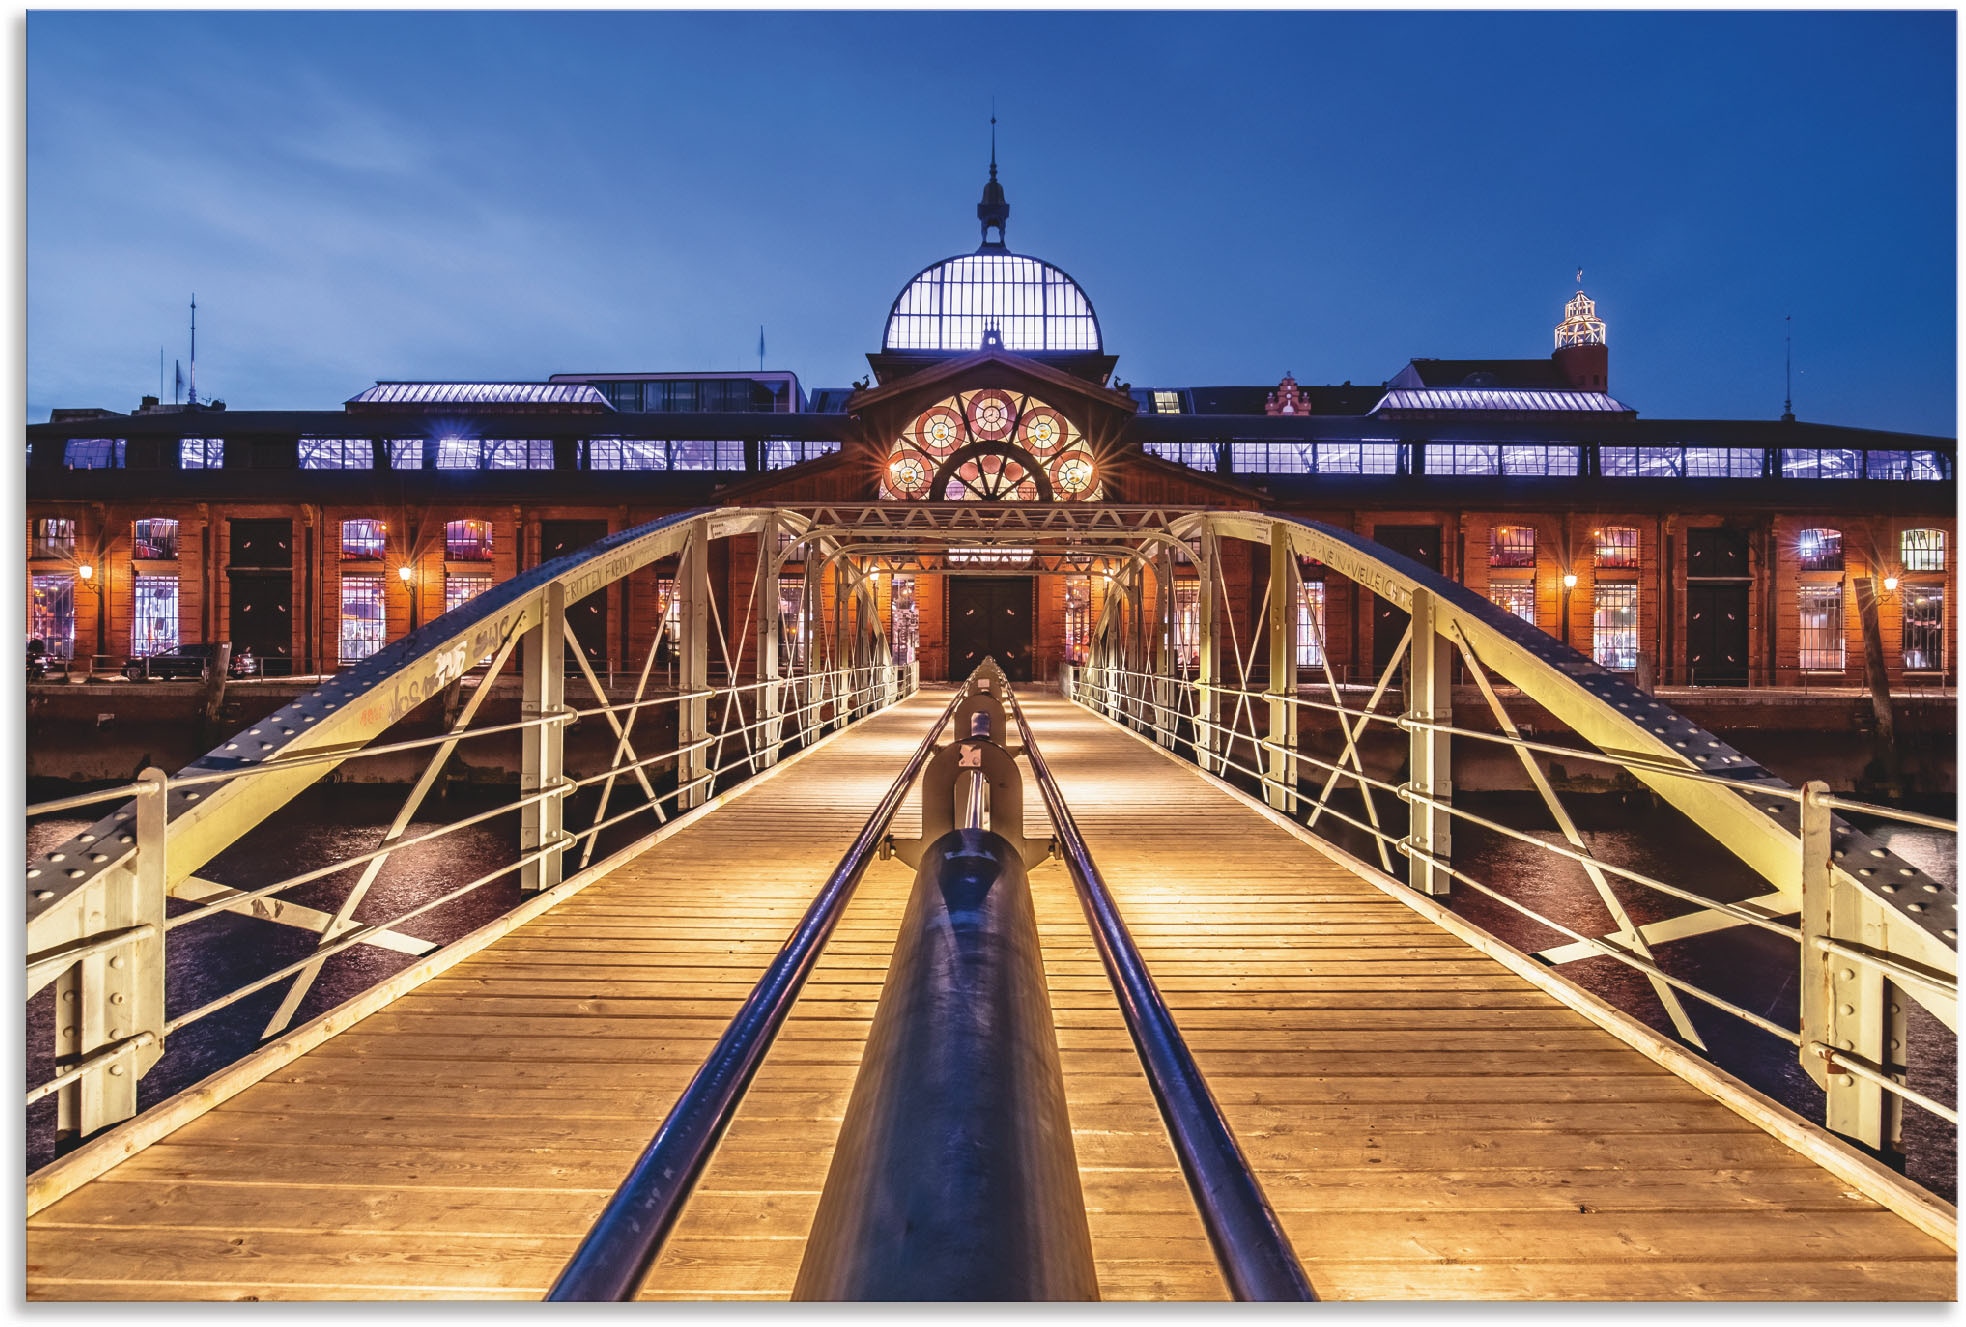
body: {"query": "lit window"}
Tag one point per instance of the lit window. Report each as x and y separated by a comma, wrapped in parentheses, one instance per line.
(518, 454)
(793, 629)
(669, 605)
(54, 537)
(707, 454)
(1904, 465)
(1464, 458)
(1924, 629)
(200, 453)
(1518, 459)
(1723, 462)
(992, 446)
(406, 453)
(905, 631)
(1078, 618)
(155, 538)
(1820, 463)
(1310, 624)
(154, 628)
(363, 617)
(362, 538)
(1617, 546)
(1029, 305)
(777, 453)
(1511, 545)
(1194, 455)
(51, 617)
(1924, 550)
(1619, 462)
(458, 453)
(94, 454)
(1820, 550)
(1167, 403)
(1518, 597)
(626, 454)
(1661, 463)
(1187, 624)
(1821, 609)
(336, 454)
(461, 590)
(1614, 627)
(468, 541)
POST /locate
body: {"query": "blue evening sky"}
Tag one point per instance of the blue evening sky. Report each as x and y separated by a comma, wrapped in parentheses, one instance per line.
(357, 196)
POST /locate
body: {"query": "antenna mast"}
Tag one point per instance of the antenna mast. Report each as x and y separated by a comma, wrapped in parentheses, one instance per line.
(194, 348)
(1788, 368)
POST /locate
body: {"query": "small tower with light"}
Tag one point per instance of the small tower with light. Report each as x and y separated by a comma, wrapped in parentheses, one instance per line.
(1580, 353)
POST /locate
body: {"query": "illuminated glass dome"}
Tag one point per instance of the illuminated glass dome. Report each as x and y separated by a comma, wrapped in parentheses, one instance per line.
(1029, 304)
(992, 296)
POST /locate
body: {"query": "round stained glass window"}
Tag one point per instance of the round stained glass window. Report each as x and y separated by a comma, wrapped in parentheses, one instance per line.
(991, 445)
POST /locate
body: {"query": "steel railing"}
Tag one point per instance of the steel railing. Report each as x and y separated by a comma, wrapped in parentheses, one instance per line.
(1172, 709)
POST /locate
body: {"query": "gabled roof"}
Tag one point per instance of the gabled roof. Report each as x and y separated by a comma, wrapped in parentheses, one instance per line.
(1533, 374)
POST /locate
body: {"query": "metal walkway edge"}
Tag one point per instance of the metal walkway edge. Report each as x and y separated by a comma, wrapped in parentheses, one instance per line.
(1427, 1124)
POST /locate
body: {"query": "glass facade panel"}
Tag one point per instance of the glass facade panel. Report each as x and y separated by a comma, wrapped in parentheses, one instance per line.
(794, 631)
(468, 541)
(718, 454)
(1820, 463)
(626, 454)
(51, 616)
(201, 453)
(1904, 465)
(155, 538)
(1923, 550)
(54, 537)
(336, 454)
(1194, 455)
(1614, 627)
(1615, 546)
(518, 454)
(363, 617)
(461, 590)
(1512, 546)
(1518, 597)
(905, 622)
(154, 627)
(1723, 462)
(93, 454)
(362, 538)
(1464, 458)
(1310, 624)
(457, 453)
(406, 453)
(1538, 459)
(1167, 403)
(1821, 610)
(1820, 549)
(777, 453)
(1925, 628)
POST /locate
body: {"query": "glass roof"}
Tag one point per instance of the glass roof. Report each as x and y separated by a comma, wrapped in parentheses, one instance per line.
(1030, 304)
(1498, 398)
(480, 393)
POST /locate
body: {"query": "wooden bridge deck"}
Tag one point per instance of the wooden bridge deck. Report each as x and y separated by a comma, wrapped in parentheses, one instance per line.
(1428, 1124)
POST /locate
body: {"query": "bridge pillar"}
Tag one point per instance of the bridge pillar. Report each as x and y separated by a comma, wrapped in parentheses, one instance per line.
(1166, 658)
(693, 671)
(765, 634)
(1282, 764)
(542, 747)
(1429, 700)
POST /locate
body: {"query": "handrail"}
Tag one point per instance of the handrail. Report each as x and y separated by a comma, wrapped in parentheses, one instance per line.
(622, 1244)
(1255, 1255)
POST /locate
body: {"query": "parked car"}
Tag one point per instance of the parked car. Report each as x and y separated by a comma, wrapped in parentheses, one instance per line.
(187, 661)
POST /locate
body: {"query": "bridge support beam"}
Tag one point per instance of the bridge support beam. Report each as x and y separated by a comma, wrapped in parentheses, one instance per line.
(1429, 700)
(765, 635)
(693, 670)
(1208, 662)
(1282, 764)
(542, 748)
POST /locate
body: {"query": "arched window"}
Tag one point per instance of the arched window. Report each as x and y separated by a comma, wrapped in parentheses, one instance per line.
(991, 446)
(1924, 550)
(1820, 549)
(468, 541)
(155, 539)
(362, 538)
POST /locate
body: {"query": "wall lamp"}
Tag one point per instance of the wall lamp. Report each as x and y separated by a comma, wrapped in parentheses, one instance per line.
(1890, 582)
(1569, 580)
(87, 572)
(405, 574)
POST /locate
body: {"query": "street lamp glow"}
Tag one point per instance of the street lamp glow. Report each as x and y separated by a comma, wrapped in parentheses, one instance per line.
(86, 572)
(1890, 582)
(405, 573)
(1569, 580)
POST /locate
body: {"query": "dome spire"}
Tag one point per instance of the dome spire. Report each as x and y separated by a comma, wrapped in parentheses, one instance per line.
(993, 211)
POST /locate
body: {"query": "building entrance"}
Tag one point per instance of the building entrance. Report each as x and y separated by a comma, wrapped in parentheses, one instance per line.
(1717, 633)
(991, 615)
